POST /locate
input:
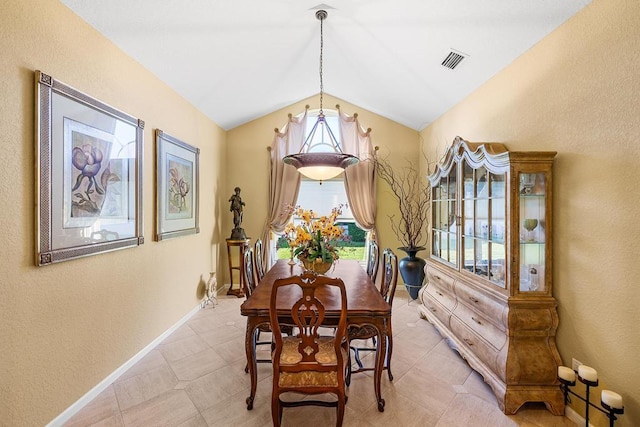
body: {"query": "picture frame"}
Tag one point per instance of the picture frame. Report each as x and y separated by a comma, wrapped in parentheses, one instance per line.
(177, 187)
(88, 177)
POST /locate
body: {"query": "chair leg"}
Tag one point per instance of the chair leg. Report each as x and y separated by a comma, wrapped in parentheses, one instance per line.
(347, 377)
(276, 410)
(340, 409)
(356, 355)
(389, 351)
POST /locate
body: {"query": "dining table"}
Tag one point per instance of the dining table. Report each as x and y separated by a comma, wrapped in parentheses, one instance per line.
(365, 306)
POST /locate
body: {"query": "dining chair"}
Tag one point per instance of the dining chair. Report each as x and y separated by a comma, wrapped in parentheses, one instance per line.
(366, 332)
(309, 363)
(373, 259)
(248, 272)
(250, 283)
(258, 260)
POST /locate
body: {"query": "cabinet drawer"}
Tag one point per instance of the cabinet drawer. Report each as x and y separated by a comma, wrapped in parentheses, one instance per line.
(481, 325)
(443, 296)
(482, 303)
(476, 345)
(436, 309)
(440, 278)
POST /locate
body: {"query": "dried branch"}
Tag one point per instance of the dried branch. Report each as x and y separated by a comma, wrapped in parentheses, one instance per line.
(414, 202)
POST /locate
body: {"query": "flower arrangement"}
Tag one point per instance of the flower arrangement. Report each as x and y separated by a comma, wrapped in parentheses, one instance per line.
(314, 239)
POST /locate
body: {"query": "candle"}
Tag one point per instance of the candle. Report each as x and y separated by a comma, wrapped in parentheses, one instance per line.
(611, 399)
(566, 374)
(588, 373)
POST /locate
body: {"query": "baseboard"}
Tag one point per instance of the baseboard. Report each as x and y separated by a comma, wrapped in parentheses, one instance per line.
(102, 386)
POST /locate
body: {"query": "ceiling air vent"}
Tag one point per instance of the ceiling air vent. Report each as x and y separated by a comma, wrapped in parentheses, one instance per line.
(453, 59)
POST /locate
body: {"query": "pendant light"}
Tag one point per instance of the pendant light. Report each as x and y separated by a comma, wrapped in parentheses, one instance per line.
(309, 162)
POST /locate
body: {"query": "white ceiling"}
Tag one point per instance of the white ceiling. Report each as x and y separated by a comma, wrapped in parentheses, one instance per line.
(237, 60)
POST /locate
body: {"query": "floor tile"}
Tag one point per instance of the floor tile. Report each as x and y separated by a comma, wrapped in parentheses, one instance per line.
(149, 362)
(182, 332)
(197, 365)
(176, 350)
(104, 408)
(169, 409)
(214, 387)
(140, 388)
(469, 410)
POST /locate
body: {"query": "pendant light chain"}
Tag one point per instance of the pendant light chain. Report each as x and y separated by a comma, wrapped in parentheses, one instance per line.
(321, 15)
(327, 164)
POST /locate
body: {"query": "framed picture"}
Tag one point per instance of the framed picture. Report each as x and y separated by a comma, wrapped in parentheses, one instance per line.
(89, 178)
(177, 189)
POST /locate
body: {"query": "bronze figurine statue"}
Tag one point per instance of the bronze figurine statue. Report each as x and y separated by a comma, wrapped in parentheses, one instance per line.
(236, 207)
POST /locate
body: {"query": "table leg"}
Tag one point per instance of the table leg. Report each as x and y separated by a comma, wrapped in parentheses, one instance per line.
(252, 324)
(381, 355)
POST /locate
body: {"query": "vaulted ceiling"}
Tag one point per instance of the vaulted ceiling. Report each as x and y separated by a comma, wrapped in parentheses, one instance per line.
(237, 60)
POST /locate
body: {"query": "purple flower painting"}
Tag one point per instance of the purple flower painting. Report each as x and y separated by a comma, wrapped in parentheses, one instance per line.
(90, 171)
(179, 188)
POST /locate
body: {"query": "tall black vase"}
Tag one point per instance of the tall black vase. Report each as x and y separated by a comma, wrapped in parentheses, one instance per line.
(412, 270)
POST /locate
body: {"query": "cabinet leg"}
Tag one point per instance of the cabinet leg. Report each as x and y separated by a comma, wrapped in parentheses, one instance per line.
(552, 398)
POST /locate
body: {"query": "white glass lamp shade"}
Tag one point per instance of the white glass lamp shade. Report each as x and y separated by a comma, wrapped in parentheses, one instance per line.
(320, 173)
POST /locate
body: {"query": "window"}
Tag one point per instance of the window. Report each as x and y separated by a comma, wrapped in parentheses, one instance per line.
(322, 198)
(321, 142)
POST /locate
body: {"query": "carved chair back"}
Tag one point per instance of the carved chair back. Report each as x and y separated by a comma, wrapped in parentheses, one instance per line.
(373, 259)
(390, 275)
(259, 261)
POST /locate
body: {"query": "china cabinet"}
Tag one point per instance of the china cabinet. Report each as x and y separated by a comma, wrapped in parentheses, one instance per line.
(489, 282)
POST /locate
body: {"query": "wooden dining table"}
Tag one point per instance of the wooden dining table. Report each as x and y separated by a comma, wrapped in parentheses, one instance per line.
(365, 306)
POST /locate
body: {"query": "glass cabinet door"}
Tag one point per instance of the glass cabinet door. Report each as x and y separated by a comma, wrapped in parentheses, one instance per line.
(496, 232)
(444, 226)
(532, 225)
(484, 224)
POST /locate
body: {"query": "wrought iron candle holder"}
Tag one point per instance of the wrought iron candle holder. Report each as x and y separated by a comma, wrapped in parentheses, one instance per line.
(611, 402)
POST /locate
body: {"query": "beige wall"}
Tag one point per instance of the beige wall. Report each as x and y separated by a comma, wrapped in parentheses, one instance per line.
(65, 327)
(578, 93)
(249, 162)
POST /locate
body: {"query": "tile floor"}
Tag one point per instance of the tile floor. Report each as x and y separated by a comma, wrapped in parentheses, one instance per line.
(196, 378)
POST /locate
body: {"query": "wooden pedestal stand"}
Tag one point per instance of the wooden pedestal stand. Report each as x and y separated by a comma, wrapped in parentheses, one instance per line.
(242, 245)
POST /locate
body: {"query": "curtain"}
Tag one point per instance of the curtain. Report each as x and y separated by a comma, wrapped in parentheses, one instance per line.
(360, 180)
(284, 181)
